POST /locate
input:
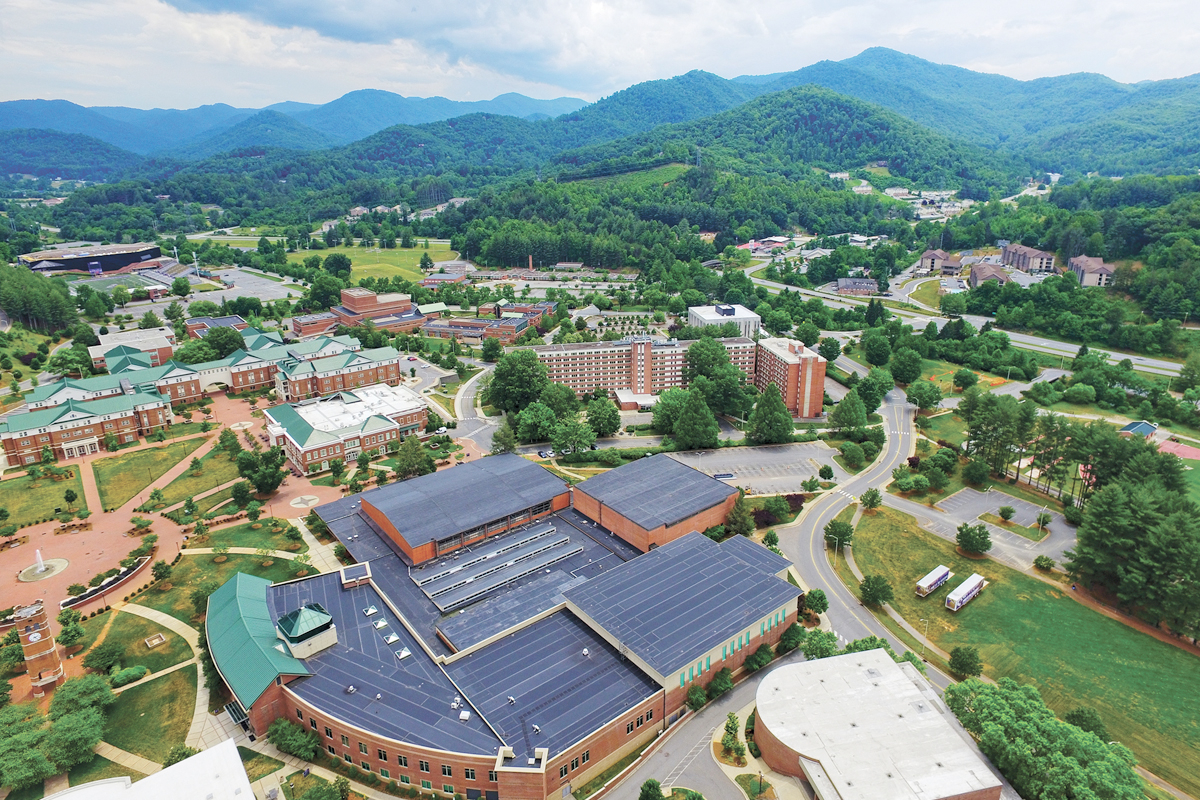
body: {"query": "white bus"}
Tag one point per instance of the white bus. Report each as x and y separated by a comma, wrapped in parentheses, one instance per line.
(933, 580)
(965, 591)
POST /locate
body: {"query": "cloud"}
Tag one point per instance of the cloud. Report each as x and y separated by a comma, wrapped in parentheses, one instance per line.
(185, 52)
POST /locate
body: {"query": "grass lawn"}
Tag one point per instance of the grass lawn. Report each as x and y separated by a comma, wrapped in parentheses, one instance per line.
(949, 426)
(184, 429)
(447, 403)
(641, 178)
(208, 503)
(1021, 491)
(28, 500)
(243, 535)
(152, 718)
(98, 769)
(131, 632)
(216, 468)
(266, 275)
(258, 765)
(941, 372)
(374, 262)
(296, 785)
(1191, 475)
(120, 478)
(927, 293)
(192, 570)
(1035, 633)
(35, 792)
(753, 785)
(1032, 534)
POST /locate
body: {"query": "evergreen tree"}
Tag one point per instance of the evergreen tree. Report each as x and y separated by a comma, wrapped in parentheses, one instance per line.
(770, 422)
(848, 414)
(739, 521)
(696, 428)
(504, 440)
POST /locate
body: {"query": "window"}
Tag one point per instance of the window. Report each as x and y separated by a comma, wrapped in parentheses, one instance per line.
(312, 723)
(402, 760)
(365, 766)
(447, 788)
(383, 773)
(346, 757)
(562, 771)
(328, 733)
(682, 680)
(404, 779)
(629, 727)
(426, 785)
(362, 748)
(492, 776)
(300, 716)
(447, 771)
(639, 721)
(587, 754)
(469, 773)
(383, 755)
(575, 763)
(649, 716)
(708, 663)
(332, 752)
(346, 741)
(424, 765)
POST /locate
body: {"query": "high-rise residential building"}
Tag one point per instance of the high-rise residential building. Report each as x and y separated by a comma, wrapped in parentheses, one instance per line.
(797, 371)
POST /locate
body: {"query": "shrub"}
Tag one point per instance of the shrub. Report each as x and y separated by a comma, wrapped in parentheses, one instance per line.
(754, 751)
(1007, 513)
(129, 675)
(795, 502)
(763, 518)
(976, 472)
(759, 658)
(826, 472)
(696, 697)
(1044, 563)
(721, 683)
(103, 657)
(1073, 515)
(792, 637)
(292, 739)
(771, 539)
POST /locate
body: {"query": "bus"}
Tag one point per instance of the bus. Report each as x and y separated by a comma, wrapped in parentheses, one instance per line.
(965, 592)
(933, 580)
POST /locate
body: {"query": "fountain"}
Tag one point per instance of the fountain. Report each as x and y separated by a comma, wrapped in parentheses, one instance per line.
(44, 568)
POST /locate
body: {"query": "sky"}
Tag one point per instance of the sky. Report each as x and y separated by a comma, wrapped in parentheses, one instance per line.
(251, 53)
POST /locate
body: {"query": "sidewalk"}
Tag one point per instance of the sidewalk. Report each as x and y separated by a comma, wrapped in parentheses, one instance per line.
(127, 759)
(786, 787)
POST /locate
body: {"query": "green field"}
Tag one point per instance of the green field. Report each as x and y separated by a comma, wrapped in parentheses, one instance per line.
(131, 632)
(152, 718)
(98, 769)
(642, 179)
(120, 478)
(129, 281)
(927, 293)
(216, 468)
(29, 501)
(244, 535)
(941, 373)
(1191, 476)
(374, 262)
(1033, 632)
(258, 765)
(949, 427)
(192, 570)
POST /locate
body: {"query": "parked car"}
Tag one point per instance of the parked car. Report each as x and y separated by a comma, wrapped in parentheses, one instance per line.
(412, 358)
(543, 453)
(440, 431)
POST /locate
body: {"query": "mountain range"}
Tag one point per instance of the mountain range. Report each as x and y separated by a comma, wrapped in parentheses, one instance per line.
(1071, 124)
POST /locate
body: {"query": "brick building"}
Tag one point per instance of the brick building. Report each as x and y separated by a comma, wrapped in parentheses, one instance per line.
(440, 279)
(122, 350)
(198, 326)
(342, 425)
(642, 364)
(1027, 259)
(392, 312)
(798, 372)
(981, 273)
(533, 313)
(862, 287)
(469, 328)
(297, 378)
(77, 427)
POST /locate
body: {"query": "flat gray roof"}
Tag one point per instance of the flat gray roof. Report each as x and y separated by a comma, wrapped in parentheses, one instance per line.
(451, 501)
(681, 600)
(755, 554)
(656, 491)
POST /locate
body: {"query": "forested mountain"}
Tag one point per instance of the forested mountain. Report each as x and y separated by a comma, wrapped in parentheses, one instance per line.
(790, 132)
(266, 129)
(67, 117)
(61, 155)
(166, 128)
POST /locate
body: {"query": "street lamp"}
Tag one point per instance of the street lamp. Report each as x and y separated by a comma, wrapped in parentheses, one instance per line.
(926, 641)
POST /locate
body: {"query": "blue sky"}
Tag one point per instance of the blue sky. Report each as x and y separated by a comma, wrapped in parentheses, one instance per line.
(182, 53)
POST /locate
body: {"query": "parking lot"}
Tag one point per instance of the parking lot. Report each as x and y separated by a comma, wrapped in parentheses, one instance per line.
(773, 469)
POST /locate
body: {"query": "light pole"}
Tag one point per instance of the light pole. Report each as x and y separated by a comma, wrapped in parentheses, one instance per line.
(926, 641)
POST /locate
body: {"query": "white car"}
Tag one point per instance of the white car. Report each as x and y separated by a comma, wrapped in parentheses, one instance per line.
(440, 431)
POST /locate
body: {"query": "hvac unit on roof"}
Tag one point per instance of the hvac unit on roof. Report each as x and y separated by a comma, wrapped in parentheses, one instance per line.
(512, 701)
(536, 729)
(350, 689)
(378, 696)
(586, 654)
(463, 716)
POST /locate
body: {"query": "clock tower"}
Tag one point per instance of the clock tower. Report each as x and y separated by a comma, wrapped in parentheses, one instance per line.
(37, 643)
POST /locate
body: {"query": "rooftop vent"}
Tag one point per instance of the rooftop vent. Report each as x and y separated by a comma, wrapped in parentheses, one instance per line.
(403, 654)
(350, 689)
(380, 624)
(370, 610)
(378, 697)
(512, 701)
(391, 638)
(586, 654)
(537, 729)
(463, 716)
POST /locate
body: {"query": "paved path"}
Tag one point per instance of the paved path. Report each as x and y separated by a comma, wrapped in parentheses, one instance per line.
(127, 759)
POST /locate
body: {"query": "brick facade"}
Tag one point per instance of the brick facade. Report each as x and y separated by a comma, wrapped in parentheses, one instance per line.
(798, 372)
(325, 382)
(638, 536)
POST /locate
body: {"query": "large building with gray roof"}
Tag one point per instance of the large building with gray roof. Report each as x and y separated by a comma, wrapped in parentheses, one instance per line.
(534, 649)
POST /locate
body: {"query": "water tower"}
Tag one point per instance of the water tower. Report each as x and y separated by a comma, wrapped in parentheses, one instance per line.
(37, 643)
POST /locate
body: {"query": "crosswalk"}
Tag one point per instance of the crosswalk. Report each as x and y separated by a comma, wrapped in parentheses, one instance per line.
(691, 755)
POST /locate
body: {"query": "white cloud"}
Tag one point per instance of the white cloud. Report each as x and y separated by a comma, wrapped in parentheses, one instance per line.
(151, 53)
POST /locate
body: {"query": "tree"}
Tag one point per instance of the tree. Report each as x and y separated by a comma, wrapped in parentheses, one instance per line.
(1044, 563)
(759, 658)
(178, 753)
(696, 428)
(1088, 719)
(964, 379)
(739, 521)
(829, 349)
(975, 472)
(537, 423)
(905, 365)
(870, 499)
(70, 496)
(263, 469)
(518, 380)
(241, 492)
(953, 305)
(119, 295)
(1043, 519)
(1007, 513)
(224, 341)
(820, 644)
(838, 533)
(696, 697)
(78, 694)
(965, 662)
(651, 789)
(573, 436)
(792, 637)
(875, 590)
(974, 538)
(560, 399)
(667, 410)
(72, 738)
(412, 460)
(849, 414)
(200, 595)
(852, 454)
(770, 422)
(228, 442)
(492, 349)
(504, 440)
(103, 657)
(161, 570)
(253, 510)
(292, 739)
(150, 320)
(95, 308)
(877, 350)
(816, 601)
(603, 416)
(722, 683)
(925, 395)
(173, 312)
(180, 287)
(197, 351)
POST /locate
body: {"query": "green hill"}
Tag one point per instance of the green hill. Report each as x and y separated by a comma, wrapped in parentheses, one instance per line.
(264, 130)
(61, 155)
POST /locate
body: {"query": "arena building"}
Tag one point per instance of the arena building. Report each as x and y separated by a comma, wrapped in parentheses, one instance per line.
(93, 259)
(654, 500)
(860, 726)
(517, 664)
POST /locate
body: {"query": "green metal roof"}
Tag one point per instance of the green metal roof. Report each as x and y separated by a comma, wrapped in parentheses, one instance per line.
(242, 638)
(78, 409)
(310, 618)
